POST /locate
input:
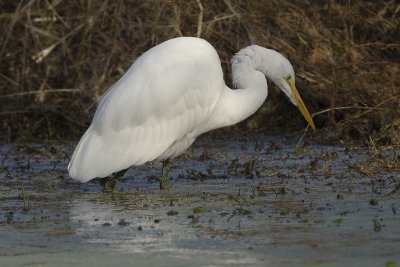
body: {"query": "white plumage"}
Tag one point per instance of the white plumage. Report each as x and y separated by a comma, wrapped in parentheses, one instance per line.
(173, 93)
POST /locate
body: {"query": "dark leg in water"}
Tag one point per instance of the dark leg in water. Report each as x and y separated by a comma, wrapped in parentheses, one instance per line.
(111, 181)
(164, 180)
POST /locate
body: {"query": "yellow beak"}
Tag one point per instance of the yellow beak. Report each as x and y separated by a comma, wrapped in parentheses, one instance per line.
(300, 103)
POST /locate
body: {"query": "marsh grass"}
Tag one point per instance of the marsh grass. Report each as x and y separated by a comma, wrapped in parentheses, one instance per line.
(58, 57)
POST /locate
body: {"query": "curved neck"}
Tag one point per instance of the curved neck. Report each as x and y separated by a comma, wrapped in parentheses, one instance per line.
(255, 58)
(236, 105)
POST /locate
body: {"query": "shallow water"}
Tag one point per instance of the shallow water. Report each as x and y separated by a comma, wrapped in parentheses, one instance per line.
(277, 205)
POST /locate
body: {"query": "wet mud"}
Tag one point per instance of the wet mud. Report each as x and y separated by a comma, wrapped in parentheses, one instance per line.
(247, 201)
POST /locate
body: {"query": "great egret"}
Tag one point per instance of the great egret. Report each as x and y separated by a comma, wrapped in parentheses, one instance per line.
(172, 94)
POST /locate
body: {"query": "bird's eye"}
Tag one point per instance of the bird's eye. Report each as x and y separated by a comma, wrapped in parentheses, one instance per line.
(289, 77)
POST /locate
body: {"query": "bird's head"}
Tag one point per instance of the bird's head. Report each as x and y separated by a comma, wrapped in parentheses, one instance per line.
(283, 76)
(275, 67)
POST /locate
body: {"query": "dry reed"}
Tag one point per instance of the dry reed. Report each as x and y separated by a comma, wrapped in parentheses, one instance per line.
(58, 57)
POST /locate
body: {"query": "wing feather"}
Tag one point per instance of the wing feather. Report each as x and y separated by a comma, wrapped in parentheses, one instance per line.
(164, 96)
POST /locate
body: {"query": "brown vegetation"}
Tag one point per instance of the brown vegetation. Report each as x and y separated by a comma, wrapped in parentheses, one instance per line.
(58, 57)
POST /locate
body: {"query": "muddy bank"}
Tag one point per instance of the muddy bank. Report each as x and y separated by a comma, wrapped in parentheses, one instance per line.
(256, 201)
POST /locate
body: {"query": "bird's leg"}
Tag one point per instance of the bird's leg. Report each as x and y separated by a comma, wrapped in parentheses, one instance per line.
(164, 180)
(111, 181)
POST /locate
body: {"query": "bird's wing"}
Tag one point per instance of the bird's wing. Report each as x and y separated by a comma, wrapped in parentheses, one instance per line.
(152, 106)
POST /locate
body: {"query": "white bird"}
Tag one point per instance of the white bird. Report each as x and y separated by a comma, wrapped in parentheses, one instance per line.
(172, 94)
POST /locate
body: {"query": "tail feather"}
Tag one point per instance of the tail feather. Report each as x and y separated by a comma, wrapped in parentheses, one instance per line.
(97, 156)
